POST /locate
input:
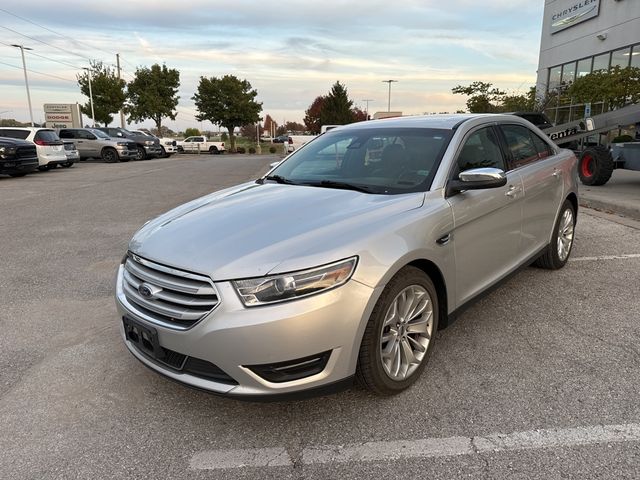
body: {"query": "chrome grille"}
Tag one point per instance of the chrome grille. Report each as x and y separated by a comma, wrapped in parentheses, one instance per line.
(167, 295)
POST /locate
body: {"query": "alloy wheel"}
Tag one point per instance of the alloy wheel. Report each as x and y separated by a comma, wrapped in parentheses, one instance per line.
(565, 234)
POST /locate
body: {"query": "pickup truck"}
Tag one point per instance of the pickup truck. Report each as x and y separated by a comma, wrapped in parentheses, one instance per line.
(17, 157)
(199, 143)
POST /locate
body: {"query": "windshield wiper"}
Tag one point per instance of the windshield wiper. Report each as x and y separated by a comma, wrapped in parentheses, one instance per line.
(277, 179)
(342, 185)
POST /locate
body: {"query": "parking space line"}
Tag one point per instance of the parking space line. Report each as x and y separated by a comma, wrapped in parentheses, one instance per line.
(605, 257)
(419, 448)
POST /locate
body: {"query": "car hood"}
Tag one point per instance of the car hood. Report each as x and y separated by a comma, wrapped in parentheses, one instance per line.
(13, 142)
(247, 231)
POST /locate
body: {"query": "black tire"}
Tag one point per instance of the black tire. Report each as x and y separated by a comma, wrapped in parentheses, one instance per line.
(109, 155)
(141, 154)
(213, 150)
(44, 168)
(370, 372)
(595, 166)
(550, 258)
(163, 152)
(17, 175)
(68, 164)
(122, 159)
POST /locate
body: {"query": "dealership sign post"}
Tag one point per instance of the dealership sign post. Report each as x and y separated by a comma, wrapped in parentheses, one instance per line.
(62, 115)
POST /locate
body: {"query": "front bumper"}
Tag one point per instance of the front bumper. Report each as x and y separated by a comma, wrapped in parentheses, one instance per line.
(124, 152)
(153, 150)
(233, 337)
(18, 165)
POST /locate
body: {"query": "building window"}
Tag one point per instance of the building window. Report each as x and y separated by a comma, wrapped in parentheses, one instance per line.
(601, 62)
(568, 73)
(620, 58)
(635, 56)
(555, 74)
(584, 67)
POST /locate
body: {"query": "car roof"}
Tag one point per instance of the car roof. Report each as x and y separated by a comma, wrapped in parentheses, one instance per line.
(442, 121)
(29, 129)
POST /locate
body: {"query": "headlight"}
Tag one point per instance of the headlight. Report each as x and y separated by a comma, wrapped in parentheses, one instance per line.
(123, 144)
(149, 142)
(7, 150)
(289, 286)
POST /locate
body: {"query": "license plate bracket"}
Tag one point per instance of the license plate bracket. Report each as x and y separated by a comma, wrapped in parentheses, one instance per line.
(143, 337)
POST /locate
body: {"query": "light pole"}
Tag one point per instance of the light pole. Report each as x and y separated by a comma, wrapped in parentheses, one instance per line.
(389, 82)
(93, 115)
(367, 100)
(26, 81)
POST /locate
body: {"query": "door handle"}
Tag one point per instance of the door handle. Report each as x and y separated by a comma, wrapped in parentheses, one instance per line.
(513, 191)
(557, 173)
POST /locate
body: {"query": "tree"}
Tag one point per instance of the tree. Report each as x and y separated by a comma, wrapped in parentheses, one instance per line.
(482, 97)
(617, 87)
(312, 115)
(191, 132)
(107, 90)
(153, 94)
(227, 101)
(336, 108)
(358, 115)
(165, 132)
(520, 103)
(269, 124)
(249, 132)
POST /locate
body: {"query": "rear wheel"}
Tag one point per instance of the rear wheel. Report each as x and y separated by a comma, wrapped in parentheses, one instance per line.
(557, 252)
(44, 168)
(213, 150)
(595, 166)
(398, 338)
(68, 164)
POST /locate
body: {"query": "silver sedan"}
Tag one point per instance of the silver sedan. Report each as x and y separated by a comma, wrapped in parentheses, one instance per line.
(343, 261)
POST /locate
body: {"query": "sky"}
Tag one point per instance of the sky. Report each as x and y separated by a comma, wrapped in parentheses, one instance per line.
(290, 51)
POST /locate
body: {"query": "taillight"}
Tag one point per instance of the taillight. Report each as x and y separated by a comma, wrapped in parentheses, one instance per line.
(223, 144)
(42, 143)
(290, 141)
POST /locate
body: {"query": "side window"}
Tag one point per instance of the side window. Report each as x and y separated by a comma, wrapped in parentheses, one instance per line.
(19, 134)
(520, 144)
(542, 147)
(66, 134)
(481, 150)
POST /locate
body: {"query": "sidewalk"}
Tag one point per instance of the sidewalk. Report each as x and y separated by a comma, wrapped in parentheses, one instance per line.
(620, 195)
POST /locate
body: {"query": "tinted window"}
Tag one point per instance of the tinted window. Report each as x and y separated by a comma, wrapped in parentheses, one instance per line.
(382, 160)
(520, 144)
(100, 134)
(21, 134)
(481, 150)
(47, 136)
(66, 134)
(542, 147)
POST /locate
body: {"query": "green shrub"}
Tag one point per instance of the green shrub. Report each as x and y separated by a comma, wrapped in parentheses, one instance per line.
(241, 150)
(252, 150)
(622, 139)
(272, 149)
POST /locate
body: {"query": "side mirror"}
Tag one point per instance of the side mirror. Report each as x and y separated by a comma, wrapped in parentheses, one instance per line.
(477, 179)
(119, 134)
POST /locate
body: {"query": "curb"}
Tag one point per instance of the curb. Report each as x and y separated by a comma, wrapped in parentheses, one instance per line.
(609, 207)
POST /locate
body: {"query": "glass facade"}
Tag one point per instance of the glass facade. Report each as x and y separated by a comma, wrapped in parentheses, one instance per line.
(621, 57)
(601, 62)
(635, 56)
(568, 72)
(584, 67)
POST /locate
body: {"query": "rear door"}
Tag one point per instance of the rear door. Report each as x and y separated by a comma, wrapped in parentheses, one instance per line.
(539, 167)
(487, 223)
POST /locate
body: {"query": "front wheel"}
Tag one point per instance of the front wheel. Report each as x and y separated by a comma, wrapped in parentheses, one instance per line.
(399, 336)
(141, 154)
(557, 252)
(109, 155)
(44, 168)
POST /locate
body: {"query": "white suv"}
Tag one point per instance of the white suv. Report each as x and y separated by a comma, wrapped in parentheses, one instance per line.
(48, 145)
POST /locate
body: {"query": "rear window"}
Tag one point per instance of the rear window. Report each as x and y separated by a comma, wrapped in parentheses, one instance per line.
(47, 136)
(21, 134)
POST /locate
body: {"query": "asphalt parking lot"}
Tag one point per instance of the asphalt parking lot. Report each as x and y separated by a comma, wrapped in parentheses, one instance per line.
(540, 379)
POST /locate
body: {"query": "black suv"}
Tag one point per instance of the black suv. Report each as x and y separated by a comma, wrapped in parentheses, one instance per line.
(17, 157)
(147, 147)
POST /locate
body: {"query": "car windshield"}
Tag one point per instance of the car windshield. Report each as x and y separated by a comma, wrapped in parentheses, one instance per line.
(375, 160)
(99, 133)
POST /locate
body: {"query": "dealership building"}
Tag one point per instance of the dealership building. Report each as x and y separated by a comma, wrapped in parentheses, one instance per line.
(582, 36)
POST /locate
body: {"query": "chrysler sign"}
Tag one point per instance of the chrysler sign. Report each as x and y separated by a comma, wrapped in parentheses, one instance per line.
(570, 13)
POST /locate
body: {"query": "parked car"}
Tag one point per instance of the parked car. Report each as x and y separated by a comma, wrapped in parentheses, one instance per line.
(200, 143)
(48, 145)
(145, 147)
(17, 157)
(71, 152)
(168, 146)
(281, 139)
(333, 266)
(94, 143)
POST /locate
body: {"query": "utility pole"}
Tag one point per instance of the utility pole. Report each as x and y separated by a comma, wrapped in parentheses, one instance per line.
(121, 112)
(389, 82)
(93, 114)
(367, 100)
(26, 81)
